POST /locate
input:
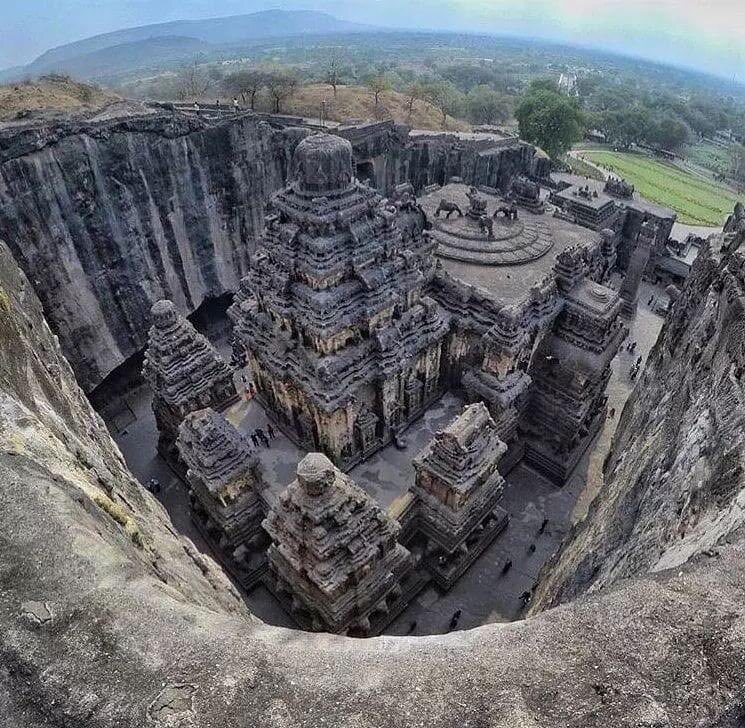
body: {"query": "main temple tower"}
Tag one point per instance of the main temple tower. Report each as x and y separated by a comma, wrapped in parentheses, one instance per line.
(344, 347)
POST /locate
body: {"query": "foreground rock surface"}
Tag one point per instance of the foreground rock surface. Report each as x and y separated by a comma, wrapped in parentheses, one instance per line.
(109, 618)
(675, 484)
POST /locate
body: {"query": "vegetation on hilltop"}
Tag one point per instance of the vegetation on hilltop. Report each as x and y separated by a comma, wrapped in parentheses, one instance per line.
(51, 93)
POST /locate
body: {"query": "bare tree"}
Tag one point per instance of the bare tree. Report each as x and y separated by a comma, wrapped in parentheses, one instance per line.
(335, 70)
(414, 92)
(282, 85)
(378, 84)
(192, 82)
(444, 96)
(247, 83)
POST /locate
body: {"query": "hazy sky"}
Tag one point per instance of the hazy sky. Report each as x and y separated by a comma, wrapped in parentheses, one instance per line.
(705, 34)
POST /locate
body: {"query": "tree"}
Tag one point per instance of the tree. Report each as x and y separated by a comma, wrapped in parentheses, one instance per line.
(668, 133)
(627, 127)
(192, 82)
(247, 83)
(543, 84)
(486, 106)
(378, 84)
(414, 92)
(335, 70)
(282, 85)
(446, 98)
(550, 120)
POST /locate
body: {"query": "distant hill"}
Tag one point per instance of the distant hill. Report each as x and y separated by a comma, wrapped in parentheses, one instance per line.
(152, 52)
(81, 57)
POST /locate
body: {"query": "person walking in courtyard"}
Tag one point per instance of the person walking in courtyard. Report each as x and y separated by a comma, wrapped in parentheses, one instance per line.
(454, 619)
(270, 430)
(262, 436)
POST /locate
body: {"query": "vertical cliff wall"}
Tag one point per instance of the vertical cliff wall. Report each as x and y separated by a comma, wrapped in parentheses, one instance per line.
(107, 218)
(674, 481)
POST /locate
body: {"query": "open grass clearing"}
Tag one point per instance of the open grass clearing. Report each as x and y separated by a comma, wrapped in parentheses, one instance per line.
(696, 200)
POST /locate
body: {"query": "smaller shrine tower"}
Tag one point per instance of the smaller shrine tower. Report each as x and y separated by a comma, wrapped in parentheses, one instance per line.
(335, 557)
(185, 374)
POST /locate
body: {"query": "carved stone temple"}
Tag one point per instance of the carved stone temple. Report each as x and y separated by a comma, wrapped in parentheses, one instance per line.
(570, 371)
(637, 265)
(185, 373)
(345, 347)
(225, 491)
(457, 493)
(335, 558)
(355, 315)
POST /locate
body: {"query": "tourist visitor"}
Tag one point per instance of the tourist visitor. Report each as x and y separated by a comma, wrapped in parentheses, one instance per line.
(454, 619)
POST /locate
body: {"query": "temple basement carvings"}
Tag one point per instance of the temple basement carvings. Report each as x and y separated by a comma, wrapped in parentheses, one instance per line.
(335, 558)
(185, 373)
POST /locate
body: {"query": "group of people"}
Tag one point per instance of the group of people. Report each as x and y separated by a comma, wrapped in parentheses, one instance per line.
(236, 105)
(636, 366)
(249, 387)
(265, 438)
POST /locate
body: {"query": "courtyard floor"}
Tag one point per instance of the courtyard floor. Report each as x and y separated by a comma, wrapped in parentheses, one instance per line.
(482, 593)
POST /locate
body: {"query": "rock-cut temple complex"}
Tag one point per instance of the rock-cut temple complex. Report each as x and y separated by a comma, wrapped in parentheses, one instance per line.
(357, 313)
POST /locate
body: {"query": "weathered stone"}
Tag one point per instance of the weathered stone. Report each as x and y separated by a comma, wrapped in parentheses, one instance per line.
(674, 478)
(225, 490)
(456, 494)
(570, 371)
(185, 374)
(344, 348)
(637, 265)
(106, 217)
(334, 554)
(136, 631)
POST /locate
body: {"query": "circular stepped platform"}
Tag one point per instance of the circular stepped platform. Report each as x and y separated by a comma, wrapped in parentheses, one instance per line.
(532, 241)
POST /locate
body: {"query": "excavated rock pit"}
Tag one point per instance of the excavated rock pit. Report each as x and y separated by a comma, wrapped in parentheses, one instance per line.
(109, 617)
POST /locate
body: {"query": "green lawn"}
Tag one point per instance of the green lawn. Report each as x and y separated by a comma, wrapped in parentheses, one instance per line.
(582, 168)
(709, 156)
(696, 200)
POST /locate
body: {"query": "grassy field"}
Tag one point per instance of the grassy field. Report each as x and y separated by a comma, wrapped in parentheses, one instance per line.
(577, 166)
(709, 156)
(696, 200)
